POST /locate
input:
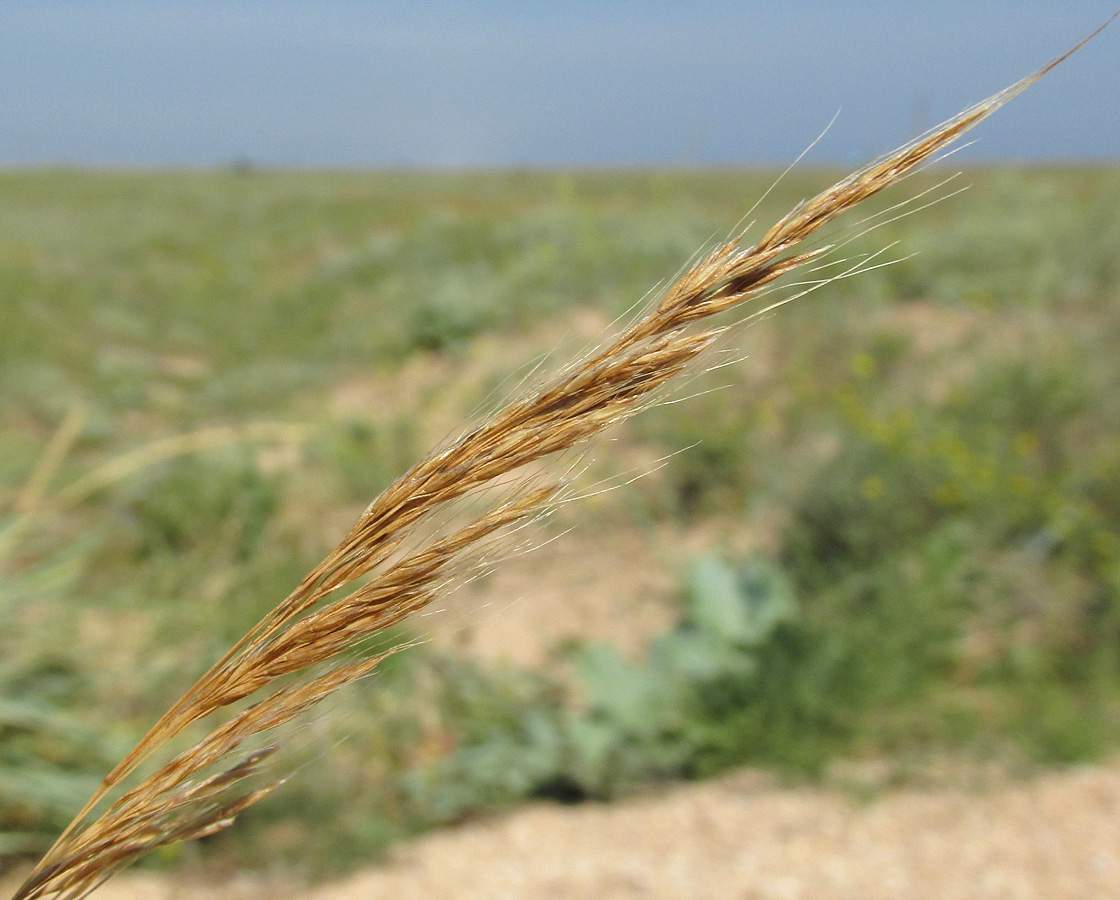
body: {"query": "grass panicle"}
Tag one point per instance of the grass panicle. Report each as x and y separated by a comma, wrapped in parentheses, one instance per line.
(401, 554)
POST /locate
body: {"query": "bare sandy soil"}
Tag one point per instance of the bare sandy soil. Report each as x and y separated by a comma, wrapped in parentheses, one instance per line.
(622, 591)
(1056, 837)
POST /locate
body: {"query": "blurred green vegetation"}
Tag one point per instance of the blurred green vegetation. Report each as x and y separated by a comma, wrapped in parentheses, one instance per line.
(930, 452)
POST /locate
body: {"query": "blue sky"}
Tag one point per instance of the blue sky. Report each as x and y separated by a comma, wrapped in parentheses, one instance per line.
(531, 83)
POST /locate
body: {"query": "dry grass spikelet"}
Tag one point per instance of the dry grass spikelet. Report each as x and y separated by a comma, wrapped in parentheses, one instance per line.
(318, 638)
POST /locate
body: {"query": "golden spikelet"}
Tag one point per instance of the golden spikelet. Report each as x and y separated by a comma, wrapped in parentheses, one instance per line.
(322, 636)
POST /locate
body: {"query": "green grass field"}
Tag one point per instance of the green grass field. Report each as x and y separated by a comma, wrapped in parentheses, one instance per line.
(932, 450)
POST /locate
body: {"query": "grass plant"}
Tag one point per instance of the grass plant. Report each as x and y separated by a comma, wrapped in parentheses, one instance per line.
(426, 531)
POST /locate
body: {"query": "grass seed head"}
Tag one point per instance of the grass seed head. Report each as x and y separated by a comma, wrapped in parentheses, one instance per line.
(318, 638)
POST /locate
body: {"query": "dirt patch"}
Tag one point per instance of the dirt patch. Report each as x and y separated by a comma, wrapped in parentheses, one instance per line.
(620, 590)
(1053, 838)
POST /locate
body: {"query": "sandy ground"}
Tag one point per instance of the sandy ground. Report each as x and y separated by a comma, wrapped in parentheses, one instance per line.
(1056, 837)
(622, 591)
